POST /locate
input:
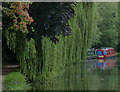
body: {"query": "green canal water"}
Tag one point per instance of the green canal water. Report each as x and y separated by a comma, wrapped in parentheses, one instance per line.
(90, 75)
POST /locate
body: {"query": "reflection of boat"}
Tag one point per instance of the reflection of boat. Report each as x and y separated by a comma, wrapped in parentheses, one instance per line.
(105, 52)
(106, 64)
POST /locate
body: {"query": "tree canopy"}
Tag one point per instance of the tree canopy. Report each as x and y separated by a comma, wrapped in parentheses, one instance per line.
(107, 27)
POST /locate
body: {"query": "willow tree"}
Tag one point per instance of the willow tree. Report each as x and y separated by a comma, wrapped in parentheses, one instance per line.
(118, 27)
(86, 21)
(53, 39)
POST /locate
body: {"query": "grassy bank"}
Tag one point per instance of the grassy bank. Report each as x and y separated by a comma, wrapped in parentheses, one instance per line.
(118, 54)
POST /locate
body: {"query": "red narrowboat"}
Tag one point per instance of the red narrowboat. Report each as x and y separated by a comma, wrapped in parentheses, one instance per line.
(105, 52)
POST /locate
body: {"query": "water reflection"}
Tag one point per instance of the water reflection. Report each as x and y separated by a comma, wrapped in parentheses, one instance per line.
(104, 75)
(92, 75)
(106, 64)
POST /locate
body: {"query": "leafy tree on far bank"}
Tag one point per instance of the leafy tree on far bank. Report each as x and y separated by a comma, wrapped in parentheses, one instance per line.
(107, 27)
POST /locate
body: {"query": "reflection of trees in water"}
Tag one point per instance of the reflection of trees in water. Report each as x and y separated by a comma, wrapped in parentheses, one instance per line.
(74, 77)
(77, 77)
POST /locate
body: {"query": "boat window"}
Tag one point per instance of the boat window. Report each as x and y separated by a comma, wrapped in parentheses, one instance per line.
(99, 52)
(105, 53)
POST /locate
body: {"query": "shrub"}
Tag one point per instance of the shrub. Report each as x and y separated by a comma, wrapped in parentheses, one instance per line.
(16, 81)
(118, 54)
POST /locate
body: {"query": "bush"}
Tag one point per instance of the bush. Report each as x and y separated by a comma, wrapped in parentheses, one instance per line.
(118, 54)
(16, 81)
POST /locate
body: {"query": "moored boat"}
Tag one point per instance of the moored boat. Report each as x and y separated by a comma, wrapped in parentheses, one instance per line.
(105, 53)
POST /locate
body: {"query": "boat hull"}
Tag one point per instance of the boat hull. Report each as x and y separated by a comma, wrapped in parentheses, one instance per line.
(106, 56)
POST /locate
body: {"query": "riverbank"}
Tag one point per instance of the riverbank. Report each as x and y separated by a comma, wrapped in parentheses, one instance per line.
(118, 54)
(6, 70)
(92, 57)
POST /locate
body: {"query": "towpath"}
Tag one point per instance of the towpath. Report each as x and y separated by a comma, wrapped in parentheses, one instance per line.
(6, 70)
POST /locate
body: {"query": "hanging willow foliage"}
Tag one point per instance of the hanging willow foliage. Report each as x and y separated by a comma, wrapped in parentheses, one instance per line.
(41, 59)
(86, 20)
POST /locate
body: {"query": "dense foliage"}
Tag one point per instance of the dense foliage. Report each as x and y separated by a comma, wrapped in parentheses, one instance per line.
(17, 15)
(16, 81)
(40, 59)
(51, 19)
(48, 19)
(107, 27)
(39, 55)
(118, 27)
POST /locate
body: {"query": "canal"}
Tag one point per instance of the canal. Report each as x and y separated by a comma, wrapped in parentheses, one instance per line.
(90, 75)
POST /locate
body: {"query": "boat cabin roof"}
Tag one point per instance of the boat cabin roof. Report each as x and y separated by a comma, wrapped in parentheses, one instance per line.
(105, 48)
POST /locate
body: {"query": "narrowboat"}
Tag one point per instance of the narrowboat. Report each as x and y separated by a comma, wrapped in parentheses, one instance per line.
(105, 53)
